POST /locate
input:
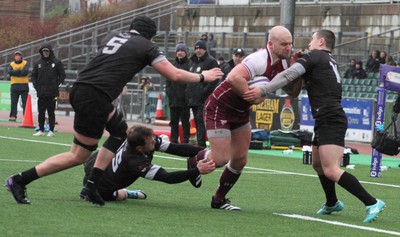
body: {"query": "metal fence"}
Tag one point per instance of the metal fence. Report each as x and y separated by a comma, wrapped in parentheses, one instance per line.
(249, 2)
(81, 43)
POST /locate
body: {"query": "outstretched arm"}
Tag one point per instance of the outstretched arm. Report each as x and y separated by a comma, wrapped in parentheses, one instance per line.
(184, 150)
(203, 167)
(174, 74)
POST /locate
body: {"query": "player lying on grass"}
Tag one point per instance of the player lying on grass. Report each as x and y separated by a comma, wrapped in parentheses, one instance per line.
(134, 160)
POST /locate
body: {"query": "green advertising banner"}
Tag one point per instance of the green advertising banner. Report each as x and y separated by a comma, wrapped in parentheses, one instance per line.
(5, 99)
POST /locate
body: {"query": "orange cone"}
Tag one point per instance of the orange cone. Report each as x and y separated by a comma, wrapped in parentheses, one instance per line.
(27, 121)
(193, 129)
(159, 109)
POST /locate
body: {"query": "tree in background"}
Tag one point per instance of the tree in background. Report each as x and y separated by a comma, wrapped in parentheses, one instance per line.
(20, 29)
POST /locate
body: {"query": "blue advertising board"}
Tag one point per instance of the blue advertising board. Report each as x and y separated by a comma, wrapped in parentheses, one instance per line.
(359, 117)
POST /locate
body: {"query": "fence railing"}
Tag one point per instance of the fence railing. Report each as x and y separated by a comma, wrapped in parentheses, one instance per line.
(77, 46)
(83, 41)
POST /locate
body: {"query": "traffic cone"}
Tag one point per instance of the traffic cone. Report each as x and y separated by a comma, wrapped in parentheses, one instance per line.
(159, 109)
(27, 121)
(193, 129)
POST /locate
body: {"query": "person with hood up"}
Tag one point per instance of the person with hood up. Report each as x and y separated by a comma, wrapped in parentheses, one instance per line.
(47, 75)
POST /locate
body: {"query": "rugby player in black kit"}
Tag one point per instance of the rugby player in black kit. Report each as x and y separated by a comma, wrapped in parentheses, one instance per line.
(120, 56)
(133, 160)
(323, 83)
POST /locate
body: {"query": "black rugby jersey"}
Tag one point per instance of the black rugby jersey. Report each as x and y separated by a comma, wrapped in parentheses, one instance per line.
(120, 56)
(323, 83)
(125, 168)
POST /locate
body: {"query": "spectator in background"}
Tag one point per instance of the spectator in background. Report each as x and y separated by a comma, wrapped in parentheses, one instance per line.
(47, 75)
(211, 45)
(145, 84)
(359, 72)
(179, 110)
(373, 63)
(204, 37)
(221, 61)
(389, 60)
(237, 57)
(196, 94)
(18, 71)
(382, 57)
(351, 67)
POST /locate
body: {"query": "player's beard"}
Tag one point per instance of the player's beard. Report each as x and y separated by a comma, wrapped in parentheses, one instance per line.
(283, 54)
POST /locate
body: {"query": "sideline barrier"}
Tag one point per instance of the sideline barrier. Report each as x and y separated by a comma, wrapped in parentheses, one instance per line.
(389, 80)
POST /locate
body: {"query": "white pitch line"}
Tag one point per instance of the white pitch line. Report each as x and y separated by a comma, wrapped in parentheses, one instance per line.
(184, 159)
(35, 141)
(28, 161)
(315, 176)
(284, 172)
(309, 218)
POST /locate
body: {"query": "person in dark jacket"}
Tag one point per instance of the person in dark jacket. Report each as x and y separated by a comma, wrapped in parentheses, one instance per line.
(351, 67)
(237, 57)
(373, 63)
(359, 72)
(179, 109)
(196, 94)
(47, 75)
(19, 79)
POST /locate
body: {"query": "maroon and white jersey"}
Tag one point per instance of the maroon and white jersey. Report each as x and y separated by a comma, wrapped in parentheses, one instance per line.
(257, 64)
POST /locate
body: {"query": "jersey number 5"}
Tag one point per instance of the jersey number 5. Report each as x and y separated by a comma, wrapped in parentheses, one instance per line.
(113, 45)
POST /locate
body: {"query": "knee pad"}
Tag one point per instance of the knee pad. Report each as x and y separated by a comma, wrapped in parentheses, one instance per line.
(117, 125)
(112, 143)
(87, 147)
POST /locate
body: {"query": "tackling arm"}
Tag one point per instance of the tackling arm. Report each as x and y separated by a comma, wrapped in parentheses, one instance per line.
(283, 78)
(184, 150)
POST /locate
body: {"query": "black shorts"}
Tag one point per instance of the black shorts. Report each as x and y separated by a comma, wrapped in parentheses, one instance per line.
(109, 195)
(330, 133)
(91, 108)
(106, 195)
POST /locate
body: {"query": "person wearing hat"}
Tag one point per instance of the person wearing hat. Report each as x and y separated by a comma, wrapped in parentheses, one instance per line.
(237, 57)
(196, 94)
(179, 110)
(120, 56)
(18, 71)
(47, 75)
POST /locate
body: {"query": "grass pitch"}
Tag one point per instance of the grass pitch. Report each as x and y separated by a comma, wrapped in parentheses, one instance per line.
(278, 196)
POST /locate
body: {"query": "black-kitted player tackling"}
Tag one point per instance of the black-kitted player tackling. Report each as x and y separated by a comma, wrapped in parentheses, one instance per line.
(324, 88)
(120, 56)
(134, 160)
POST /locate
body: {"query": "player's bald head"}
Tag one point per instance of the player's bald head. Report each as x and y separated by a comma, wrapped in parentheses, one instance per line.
(279, 33)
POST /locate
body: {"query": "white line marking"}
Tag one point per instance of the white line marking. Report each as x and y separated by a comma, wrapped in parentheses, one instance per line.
(309, 218)
(283, 172)
(35, 141)
(29, 161)
(184, 159)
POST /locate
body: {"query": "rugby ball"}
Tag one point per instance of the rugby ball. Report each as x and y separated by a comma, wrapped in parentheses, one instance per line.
(258, 81)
